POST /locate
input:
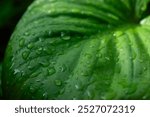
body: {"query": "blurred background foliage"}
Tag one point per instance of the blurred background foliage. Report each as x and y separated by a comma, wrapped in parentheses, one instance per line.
(10, 13)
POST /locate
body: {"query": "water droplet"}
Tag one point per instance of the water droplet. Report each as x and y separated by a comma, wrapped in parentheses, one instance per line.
(141, 61)
(41, 39)
(144, 97)
(32, 89)
(77, 87)
(48, 50)
(145, 68)
(62, 68)
(84, 73)
(35, 74)
(16, 71)
(39, 50)
(30, 45)
(51, 70)
(25, 54)
(107, 58)
(62, 91)
(30, 67)
(38, 80)
(26, 33)
(21, 42)
(99, 55)
(88, 56)
(66, 37)
(58, 82)
(49, 33)
(90, 94)
(44, 63)
(74, 98)
(118, 33)
(45, 95)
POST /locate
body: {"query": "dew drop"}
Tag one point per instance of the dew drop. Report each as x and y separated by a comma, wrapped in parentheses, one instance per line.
(77, 87)
(118, 33)
(62, 91)
(26, 33)
(145, 68)
(62, 68)
(40, 39)
(16, 71)
(31, 89)
(141, 61)
(39, 50)
(144, 97)
(25, 54)
(45, 95)
(90, 94)
(107, 58)
(30, 67)
(30, 45)
(35, 74)
(44, 63)
(51, 71)
(66, 38)
(38, 80)
(21, 42)
(99, 55)
(49, 33)
(58, 82)
(85, 73)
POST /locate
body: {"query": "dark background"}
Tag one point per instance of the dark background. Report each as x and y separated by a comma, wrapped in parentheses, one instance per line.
(10, 13)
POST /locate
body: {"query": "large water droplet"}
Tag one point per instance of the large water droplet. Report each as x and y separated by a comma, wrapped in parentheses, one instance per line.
(30, 46)
(25, 54)
(21, 42)
(51, 71)
(58, 82)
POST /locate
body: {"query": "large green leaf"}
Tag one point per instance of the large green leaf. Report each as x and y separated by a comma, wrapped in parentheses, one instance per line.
(80, 49)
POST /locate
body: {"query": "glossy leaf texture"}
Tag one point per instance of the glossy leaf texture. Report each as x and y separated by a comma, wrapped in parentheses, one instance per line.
(80, 49)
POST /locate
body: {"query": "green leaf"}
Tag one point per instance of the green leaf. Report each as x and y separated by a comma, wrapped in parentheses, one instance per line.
(73, 49)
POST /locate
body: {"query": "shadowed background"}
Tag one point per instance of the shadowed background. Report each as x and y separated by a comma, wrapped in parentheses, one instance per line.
(10, 13)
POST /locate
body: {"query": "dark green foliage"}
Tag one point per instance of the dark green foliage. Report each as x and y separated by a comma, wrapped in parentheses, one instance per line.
(80, 49)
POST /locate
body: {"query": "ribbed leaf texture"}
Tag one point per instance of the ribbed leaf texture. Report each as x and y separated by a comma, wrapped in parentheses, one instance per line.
(80, 49)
